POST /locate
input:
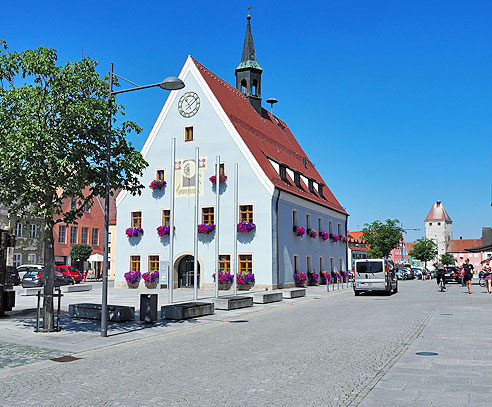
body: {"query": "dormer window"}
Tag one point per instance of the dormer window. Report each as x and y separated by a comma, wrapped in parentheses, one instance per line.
(283, 173)
(297, 179)
(320, 190)
(311, 186)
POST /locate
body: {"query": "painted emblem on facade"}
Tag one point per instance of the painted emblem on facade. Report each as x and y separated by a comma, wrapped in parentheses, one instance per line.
(186, 173)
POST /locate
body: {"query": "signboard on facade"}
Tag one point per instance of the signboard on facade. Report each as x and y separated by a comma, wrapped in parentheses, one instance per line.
(163, 271)
(185, 173)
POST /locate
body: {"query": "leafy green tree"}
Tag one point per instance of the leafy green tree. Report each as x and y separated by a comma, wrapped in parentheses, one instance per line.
(381, 237)
(80, 253)
(447, 259)
(424, 250)
(54, 121)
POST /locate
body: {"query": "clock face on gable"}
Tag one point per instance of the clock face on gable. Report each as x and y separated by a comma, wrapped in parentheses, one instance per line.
(189, 104)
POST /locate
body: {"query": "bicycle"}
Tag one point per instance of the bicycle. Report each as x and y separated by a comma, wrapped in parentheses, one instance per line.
(442, 285)
(481, 282)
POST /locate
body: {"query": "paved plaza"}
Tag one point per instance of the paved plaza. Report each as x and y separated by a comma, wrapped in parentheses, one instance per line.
(327, 349)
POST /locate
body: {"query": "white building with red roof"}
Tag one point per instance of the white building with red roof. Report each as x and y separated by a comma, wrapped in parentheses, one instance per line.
(279, 187)
(439, 227)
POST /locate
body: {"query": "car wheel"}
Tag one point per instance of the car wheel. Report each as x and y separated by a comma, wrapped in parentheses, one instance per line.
(396, 288)
(356, 293)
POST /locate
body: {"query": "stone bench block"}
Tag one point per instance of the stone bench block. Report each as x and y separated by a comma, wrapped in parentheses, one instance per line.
(294, 293)
(75, 288)
(233, 302)
(267, 297)
(186, 310)
(116, 313)
(32, 291)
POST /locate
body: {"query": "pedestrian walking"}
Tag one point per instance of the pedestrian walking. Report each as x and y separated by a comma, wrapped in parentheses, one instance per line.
(467, 278)
(487, 273)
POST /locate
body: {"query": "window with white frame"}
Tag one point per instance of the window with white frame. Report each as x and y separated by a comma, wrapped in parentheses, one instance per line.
(62, 231)
(308, 221)
(84, 235)
(341, 264)
(308, 264)
(33, 231)
(18, 230)
(294, 218)
(339, 229)
(330, 227)
(321, 263)
(320, 224)
(95, 237)
(31, 258)
(332, 264)
(17, 259)
(73, 235)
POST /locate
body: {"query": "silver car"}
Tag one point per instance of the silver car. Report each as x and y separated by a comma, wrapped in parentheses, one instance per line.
(375, 275)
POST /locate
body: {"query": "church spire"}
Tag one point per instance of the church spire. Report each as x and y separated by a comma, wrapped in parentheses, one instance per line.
(248, 72)
(248, 59)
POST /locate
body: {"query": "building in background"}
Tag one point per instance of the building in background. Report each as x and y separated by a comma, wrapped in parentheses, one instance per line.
(458, 249)
(357, 247)
(439, 227)
(88, 230)
(28, 239)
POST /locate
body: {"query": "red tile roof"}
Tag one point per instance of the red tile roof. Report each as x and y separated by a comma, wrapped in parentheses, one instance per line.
(355, 235)
(267, 136)
(459, 245)
(410, 246)
(438, 213)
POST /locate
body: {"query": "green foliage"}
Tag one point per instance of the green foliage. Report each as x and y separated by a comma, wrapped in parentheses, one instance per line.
(54, 122)
(424, 250)
(447, 259)
(80, 252)
(53, 132)
(381, 237)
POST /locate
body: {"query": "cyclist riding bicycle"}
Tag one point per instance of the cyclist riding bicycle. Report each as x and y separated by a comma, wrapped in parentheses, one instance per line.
(441, 272)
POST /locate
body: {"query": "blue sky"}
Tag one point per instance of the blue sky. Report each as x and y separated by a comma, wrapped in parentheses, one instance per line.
(390, 100)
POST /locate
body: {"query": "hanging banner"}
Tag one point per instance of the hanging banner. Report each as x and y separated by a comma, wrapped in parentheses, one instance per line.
(185, 173)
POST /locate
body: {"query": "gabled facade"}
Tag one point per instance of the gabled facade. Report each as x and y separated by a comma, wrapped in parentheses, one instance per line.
(279, 188)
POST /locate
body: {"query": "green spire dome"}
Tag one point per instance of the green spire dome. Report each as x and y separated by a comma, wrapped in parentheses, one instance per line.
(248, 59)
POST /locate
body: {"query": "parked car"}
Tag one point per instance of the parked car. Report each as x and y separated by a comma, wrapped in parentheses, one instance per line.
(399, 274)
(70, 271)
(12, 276)
(417, 272)
(375, 275)
(452, 274)
(35, 278)
(24, 268)
(407, 273)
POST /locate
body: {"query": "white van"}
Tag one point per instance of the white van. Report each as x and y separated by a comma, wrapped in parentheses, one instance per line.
(375, 275)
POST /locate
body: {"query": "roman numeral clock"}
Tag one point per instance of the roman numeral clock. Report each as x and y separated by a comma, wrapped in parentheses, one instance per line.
(188, 104)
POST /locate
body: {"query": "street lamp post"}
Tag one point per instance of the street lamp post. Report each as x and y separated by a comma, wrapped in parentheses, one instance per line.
(403, 244)
(170, 83)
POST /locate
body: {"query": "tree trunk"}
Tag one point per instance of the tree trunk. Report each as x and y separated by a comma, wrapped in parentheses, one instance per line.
(49, 265)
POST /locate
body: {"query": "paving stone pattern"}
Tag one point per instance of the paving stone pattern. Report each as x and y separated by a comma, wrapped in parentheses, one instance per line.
(12, 355)
(328, 350)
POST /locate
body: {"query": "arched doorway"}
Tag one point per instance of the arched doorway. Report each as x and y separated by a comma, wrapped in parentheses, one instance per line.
(186, 273)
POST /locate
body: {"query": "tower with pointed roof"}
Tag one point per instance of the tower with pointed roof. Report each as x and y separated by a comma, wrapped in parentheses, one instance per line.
(248, 72)
(439, 227)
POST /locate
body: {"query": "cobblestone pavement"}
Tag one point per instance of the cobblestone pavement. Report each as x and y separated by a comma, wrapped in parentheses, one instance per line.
(316, 351)
(12, 355)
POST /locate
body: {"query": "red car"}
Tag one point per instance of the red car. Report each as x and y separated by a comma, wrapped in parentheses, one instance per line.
(70, 271)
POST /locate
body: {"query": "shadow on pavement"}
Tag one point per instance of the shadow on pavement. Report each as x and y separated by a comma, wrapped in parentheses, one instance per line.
(69, 324)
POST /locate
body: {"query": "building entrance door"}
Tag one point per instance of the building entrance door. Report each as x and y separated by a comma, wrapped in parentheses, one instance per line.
(186, 273)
